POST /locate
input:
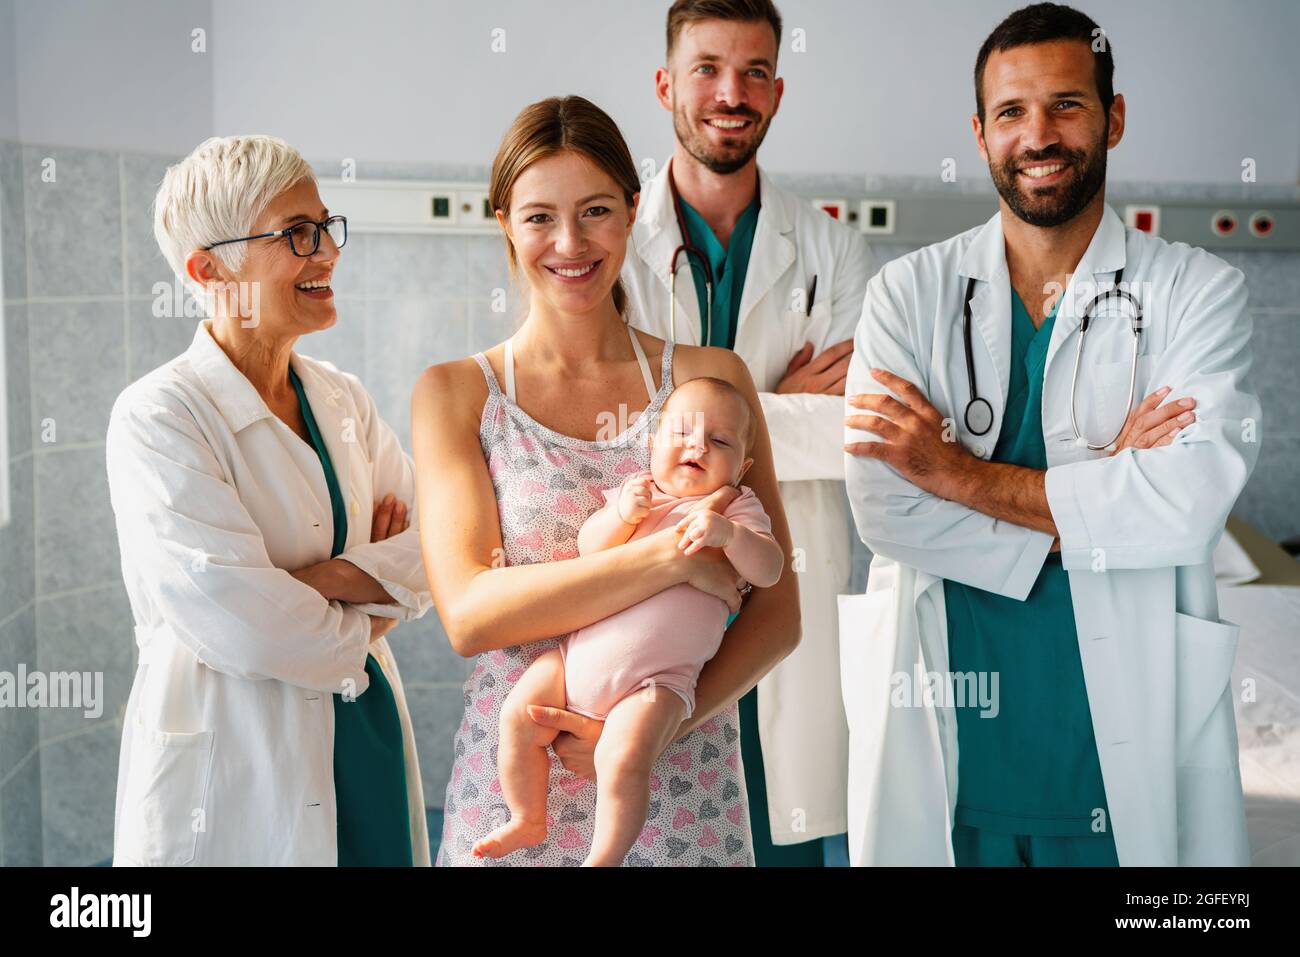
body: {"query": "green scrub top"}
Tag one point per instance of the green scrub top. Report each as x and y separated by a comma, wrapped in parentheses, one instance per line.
(374, 826)
(1033, 768)
(729, 266)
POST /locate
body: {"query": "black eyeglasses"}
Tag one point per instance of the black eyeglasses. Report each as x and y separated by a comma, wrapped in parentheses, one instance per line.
(304, 238)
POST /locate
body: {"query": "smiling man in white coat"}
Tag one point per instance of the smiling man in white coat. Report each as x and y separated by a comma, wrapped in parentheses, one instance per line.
(783, 288)
(1042, 546)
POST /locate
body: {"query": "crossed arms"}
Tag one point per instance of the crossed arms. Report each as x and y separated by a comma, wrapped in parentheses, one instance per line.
(1160, 499)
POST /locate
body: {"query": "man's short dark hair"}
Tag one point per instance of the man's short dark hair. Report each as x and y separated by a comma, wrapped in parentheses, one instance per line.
(1043, 23)
(685, 12)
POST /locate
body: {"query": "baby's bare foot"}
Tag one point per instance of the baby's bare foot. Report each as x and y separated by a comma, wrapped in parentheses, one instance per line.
(511, 837)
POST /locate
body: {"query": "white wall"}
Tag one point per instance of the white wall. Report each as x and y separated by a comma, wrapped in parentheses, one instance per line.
(884, 87)
(113, 75)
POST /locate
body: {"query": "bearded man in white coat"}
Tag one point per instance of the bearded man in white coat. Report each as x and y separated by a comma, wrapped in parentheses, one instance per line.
(1035, 535)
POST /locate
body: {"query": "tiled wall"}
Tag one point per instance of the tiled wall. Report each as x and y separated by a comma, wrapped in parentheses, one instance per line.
(20, 758)
(80, 264)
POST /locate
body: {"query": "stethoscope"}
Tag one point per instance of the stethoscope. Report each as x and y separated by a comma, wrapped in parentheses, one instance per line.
(979, 414)
(689, 250)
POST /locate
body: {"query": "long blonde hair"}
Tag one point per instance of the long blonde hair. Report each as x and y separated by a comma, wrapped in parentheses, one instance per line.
(556, 125)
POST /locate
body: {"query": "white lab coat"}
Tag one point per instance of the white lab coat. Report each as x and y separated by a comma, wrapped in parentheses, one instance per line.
(228, 738)
(1137, 533)
(802, 729)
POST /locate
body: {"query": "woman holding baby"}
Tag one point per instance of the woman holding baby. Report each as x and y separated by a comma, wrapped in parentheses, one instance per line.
(537, 526)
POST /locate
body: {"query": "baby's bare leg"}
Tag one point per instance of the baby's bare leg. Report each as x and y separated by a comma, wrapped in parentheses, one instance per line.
(636, 732)
(522, 761)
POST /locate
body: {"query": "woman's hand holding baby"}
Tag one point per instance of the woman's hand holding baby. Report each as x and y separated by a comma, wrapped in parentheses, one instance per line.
(710, 570)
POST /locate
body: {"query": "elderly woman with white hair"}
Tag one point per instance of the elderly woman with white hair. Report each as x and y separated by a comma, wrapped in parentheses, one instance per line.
(267, 722)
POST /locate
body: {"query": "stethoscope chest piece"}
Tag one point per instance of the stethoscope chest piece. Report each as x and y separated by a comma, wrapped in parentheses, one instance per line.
(979, 416)
(979, 413)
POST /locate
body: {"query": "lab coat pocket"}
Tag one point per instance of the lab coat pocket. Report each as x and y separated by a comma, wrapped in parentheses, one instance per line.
(866, 661)
(1205, 731)
(164, 803)
(802, 327)
(867, 648)
(1102, 417)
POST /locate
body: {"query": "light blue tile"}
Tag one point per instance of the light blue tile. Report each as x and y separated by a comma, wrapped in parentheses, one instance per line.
(78, 359)
(436, 713)
(489, 268)
(370, 169)
(349, 279)
(13, 228)
(93, 632)
(416, 265)
(1271, 498)
(331, 170)
(1273, 279)
(813, 185)
(19, 727)
(17, 542)
(18, 382)
(142, 174)
(76, 539)
(74, 224)
(79, 781)
(343, 343)
(153, 340)
(20, 805)
(424, 654)
(1275, 347)
(487, 327)
(403, 338)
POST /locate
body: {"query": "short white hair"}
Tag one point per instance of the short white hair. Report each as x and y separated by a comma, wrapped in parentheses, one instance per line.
(217, 192)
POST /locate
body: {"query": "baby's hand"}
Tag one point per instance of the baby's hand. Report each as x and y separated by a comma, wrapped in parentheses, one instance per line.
(634, 498)
(704, 530)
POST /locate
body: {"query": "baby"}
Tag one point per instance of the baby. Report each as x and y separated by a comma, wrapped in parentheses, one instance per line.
(636, 670)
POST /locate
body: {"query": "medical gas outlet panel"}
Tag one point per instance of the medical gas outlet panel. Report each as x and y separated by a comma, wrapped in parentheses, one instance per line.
(918, 219)
(411, 206)
(908, 219)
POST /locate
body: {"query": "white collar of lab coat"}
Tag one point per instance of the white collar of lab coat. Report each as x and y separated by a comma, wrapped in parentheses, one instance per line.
(657, 208)
(986, 257)
(985, 260)
(1105, 255)
(656, 235)
(236, 398)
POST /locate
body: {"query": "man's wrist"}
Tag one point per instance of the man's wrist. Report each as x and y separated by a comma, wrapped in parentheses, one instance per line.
(967, 484)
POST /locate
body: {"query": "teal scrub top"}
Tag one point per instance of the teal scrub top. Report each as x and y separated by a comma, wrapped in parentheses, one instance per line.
(374, 826)
(1033, 768)
(729, 266)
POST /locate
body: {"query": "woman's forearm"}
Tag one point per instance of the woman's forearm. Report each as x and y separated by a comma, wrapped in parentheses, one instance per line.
(767, 629)
(508, 606)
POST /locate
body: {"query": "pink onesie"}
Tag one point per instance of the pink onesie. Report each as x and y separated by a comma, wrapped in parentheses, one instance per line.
(664, 639)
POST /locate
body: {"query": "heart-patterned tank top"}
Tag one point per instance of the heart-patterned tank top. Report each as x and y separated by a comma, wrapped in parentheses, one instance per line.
(547, 484)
